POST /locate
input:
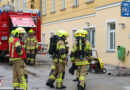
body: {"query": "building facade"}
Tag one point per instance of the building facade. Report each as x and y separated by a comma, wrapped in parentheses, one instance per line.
(102, 18)
(21, 4)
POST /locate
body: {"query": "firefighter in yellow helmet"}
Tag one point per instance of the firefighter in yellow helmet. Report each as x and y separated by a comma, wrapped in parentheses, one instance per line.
(60, 60)
(80, 55)
(31, 46)
(17, 55)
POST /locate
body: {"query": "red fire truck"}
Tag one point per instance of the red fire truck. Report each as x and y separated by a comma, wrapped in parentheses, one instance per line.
(10, 19)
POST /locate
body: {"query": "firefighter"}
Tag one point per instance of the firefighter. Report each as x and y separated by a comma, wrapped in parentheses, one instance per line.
(59, 60)
(17, 55)
(80, 56)
(31, 46)
(77, 73)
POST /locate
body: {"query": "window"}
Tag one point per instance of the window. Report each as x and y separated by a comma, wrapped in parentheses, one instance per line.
(32, 6)
(12, 2)
(73, 38)
(90, 0)
(63, 4)
(18, 4)
(43, 38)
(111, 36)
(51, 34)
(32, 1)
(91, 36)
(53, 5)
(24, 4)
(76, 2)
(44, 7)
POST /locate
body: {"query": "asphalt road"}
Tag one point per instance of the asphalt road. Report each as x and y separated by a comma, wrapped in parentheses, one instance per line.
(38, 76)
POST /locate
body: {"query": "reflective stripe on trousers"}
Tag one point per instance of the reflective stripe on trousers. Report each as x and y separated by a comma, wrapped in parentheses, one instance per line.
(60, 80)
(24, 84)
(16, 85)
(56, 60)
(52, 77)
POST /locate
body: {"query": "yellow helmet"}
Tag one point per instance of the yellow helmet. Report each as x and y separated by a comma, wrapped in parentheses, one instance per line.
(81, 33)
(86, 32)
(19, 30)
(13, 32)
(62, 33)
(31, 31)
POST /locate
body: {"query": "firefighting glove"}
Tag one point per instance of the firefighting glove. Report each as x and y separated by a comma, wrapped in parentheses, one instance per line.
(73, 67)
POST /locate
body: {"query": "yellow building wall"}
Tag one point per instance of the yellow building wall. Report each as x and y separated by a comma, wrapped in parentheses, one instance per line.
(121, 35)
(102, 16)
(68, 26)
(69, 12)
(100, 3)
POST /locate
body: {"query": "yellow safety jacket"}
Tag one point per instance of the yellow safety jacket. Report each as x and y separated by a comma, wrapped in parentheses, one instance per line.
(60, 45)
(77, 61)
(30, 43)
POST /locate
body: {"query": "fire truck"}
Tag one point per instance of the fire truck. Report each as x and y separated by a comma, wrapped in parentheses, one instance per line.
(11, 19)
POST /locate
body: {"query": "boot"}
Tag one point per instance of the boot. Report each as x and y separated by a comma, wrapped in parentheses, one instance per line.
(76, 79)
(26, 77)
(63, 87)
(16, 89)
(80, 88)
(50, 83)
(51, 72)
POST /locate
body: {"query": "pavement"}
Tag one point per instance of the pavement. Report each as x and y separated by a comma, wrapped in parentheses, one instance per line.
(38, 75)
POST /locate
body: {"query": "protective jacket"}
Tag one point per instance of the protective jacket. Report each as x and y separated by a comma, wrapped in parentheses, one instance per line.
(30, 43)
(17, 50)
(76, 59)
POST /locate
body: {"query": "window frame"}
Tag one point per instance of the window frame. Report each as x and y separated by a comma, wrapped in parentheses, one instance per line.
(44, 7)
(52, 33)
(53, 6)
(43, 39)
(24, 3)
(109, 31)
(63, 4)
(18, 4)
(73, 32)
(76, 2)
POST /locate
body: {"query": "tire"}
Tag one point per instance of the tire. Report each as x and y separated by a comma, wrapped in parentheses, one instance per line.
(104, 70)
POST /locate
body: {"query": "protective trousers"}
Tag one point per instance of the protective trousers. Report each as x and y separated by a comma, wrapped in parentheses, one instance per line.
(58, 74)
(19, 80)
(52, 67)
(30, 56)
(82, 70)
